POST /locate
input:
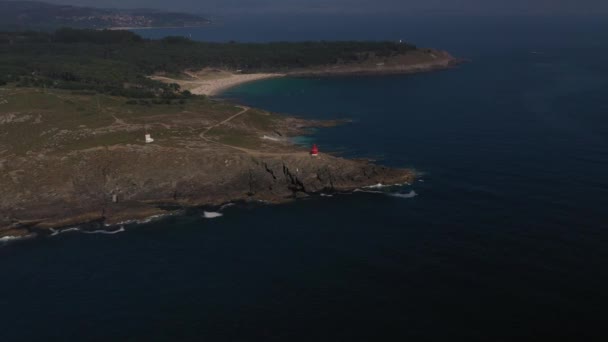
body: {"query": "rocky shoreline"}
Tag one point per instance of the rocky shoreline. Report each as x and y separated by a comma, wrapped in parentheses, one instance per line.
(197, 180)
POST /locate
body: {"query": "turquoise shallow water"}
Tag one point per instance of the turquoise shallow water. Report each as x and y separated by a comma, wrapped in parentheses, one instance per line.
(505, 240)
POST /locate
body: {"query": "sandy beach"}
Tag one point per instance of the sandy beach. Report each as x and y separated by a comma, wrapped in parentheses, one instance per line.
(212, 83)
(216, 86)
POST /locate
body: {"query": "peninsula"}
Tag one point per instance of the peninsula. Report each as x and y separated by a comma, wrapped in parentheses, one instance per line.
(212, 81)
(75, 107)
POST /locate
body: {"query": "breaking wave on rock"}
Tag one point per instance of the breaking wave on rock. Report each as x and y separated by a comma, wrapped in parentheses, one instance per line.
(10, 238)
(107, 232)
(61, 231)
(142, 221)
(410, 194)
(369, 191)
(227, 205)
(376, 186)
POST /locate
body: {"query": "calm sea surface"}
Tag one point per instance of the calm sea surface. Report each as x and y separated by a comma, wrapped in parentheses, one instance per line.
(506, 239)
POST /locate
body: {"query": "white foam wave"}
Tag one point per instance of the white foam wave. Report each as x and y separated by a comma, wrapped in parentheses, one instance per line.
(211, 214)
(9, 238)
(227, 205)
(410, 194)
(381, 186)
(107, 232)
(146, 220)
(61, 231)
(152, 218)
(326, 195)
(369, 191)
(375, 186)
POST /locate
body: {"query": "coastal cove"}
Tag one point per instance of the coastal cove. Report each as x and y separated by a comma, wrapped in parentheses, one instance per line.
(502, 235)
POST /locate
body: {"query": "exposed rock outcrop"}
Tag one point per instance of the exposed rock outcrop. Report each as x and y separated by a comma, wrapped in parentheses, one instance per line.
(61, 191)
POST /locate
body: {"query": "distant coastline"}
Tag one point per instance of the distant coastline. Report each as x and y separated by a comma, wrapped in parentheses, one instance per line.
(40, 15)
(118, 28)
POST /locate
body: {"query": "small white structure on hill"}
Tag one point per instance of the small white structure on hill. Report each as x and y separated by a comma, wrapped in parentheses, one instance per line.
(149, 139)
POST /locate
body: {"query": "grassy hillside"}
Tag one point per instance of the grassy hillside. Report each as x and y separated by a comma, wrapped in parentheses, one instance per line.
(62, 121)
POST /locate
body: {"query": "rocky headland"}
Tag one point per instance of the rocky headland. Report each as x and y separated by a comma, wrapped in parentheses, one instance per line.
(59, 171)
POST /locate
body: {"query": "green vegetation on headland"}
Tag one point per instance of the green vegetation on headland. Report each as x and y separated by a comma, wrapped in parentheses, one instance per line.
(119, 62)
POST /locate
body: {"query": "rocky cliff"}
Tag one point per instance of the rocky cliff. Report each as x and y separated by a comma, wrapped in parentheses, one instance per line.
(132, 182)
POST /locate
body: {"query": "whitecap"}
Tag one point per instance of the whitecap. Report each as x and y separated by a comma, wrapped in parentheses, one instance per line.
(326, 195)
(410, 194)
(211, 214)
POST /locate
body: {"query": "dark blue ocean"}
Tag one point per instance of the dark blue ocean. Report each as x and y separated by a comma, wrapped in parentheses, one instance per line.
(507, 238)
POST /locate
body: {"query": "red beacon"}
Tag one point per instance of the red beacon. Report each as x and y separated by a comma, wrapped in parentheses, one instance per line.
(314, 151)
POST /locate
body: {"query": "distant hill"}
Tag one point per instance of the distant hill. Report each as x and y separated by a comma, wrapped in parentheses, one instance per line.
(26, 15)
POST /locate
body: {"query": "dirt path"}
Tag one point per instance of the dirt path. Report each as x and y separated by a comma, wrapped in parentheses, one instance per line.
(243, 111)
(119, 122)
(242, 149)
